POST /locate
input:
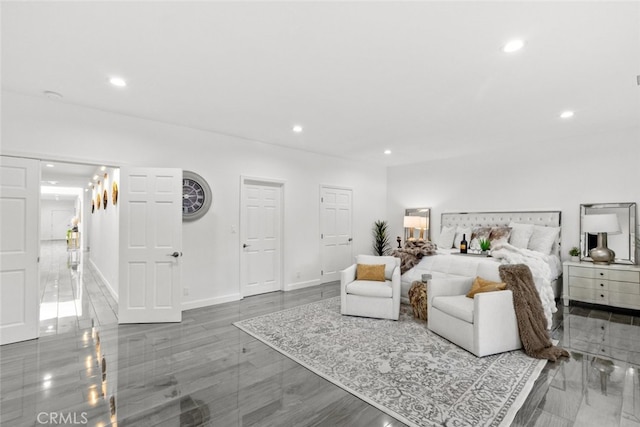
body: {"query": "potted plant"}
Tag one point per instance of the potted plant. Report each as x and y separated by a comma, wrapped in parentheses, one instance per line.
(485, 244)
(574, 252)
(380, 233)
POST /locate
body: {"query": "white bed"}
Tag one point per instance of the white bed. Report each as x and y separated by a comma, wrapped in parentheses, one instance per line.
(546, 267)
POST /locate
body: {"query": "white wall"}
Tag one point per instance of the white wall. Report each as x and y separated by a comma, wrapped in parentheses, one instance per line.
(555, 175)
(64, 209)
(104, 231)
(42, 128)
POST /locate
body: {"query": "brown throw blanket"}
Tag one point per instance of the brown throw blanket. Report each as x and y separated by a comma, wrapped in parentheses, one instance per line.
(413, 252)
(532, 324)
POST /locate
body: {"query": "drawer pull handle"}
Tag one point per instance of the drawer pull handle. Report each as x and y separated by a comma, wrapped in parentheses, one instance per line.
(602, 327)
(601, 284)
(602, 274)
(602, 296)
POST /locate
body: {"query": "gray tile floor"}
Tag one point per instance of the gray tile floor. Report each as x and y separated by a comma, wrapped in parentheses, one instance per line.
(85, 369)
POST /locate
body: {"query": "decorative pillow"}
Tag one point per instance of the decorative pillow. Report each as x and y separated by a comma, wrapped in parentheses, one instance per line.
(543, 238)
(390, 263)
(460, 232)
(478, 234)
(520, 234)
(373, 272)
(482, 285)
(499, 235)
(447, 234)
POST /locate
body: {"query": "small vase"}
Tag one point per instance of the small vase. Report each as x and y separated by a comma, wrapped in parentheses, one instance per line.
(575, 259)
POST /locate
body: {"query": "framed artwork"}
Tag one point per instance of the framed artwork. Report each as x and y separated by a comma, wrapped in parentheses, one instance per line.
(98, 200)
(114, 193)
(93, 206)
(105, 199)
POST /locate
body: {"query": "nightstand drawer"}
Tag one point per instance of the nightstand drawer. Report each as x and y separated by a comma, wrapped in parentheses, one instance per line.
(624, 276)
(593, 295)
(588, 272)
(624, 300)
(624, 287)
(584, 282)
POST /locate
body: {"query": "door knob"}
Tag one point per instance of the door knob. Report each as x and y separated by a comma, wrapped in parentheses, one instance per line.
(350, 239)
(175, 254)
(244, 245)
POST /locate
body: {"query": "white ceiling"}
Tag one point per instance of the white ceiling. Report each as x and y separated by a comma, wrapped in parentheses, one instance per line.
(427, 80)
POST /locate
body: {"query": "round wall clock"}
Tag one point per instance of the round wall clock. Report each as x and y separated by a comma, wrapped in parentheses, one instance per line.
(196, 196)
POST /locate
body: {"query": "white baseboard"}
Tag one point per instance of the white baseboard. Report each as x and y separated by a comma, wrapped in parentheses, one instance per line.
(301, 285)
(104, 280)
(189, 305)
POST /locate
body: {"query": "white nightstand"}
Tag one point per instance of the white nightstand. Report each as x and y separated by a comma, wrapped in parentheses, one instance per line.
(617, 285)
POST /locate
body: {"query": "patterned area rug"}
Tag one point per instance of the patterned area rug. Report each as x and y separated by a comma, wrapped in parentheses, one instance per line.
(400, 367)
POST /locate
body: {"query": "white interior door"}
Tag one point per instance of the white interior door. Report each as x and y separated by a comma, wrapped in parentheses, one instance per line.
(19, 248)
(261, 237)
(150, 245)
(335, 231)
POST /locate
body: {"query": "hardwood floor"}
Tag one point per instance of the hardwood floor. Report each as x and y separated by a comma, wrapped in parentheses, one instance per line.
(204, 371)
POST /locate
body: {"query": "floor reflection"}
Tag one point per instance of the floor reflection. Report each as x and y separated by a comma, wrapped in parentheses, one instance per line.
(204, 371)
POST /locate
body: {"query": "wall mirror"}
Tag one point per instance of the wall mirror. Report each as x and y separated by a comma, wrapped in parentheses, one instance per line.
(622, 242)
(416, 223)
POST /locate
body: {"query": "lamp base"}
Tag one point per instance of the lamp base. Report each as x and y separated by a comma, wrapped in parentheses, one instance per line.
(601, 254)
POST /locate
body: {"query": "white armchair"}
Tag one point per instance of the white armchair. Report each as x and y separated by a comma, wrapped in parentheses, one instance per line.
(371, 298)
(483, 325)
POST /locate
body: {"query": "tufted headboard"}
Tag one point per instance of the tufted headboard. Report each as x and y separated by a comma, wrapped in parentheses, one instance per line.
(494, 219)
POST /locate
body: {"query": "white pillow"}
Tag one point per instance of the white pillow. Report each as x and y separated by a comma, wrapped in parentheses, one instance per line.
(459, 233)
(543, 238)
(520, 234)
(447, 234)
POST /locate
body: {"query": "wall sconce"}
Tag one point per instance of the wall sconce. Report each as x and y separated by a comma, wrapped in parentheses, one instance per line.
(601, 224)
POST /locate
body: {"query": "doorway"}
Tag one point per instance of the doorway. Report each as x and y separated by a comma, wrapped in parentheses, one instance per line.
(73, 294)
(261, 225)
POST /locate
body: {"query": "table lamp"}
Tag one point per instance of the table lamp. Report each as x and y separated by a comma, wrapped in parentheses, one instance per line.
(601, 224)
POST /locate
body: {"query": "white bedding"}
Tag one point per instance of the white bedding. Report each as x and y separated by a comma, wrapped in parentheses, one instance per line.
(449, 263)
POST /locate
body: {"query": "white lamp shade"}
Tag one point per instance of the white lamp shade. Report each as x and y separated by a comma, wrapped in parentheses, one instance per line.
(601, 223)
(411, 222)
(424, 222)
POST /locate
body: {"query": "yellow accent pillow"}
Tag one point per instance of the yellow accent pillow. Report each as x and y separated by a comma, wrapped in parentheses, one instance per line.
(373, 272)
(482, 285)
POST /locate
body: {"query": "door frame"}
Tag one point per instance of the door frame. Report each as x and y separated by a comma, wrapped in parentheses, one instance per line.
(321, 225)
(280, 184)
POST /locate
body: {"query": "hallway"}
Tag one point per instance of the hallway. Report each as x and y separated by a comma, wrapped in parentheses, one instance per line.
(72, 297)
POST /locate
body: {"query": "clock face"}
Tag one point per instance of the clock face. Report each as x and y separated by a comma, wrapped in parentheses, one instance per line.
(196, 196)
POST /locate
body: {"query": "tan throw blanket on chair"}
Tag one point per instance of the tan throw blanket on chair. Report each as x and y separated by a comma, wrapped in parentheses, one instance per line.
(532, 324)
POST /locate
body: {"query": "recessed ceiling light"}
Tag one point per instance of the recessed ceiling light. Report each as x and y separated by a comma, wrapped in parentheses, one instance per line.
(49, 165)
(387, 151)
(103, 168)
(566, 114)
(117, 81)
(297, 129)
(513, 46)
(95, 177)
(52, 95)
